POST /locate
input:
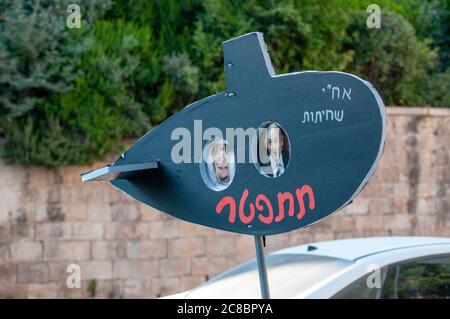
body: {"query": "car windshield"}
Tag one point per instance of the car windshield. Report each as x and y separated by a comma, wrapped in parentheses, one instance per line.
(288, 274)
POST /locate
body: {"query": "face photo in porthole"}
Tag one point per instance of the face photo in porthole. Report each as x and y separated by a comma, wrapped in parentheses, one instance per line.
(273, 150)
(218, 165)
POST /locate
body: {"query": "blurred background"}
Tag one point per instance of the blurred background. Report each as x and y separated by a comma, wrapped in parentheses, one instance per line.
(72, 98)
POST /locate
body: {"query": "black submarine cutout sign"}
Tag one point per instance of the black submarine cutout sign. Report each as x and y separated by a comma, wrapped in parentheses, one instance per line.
(322, 134)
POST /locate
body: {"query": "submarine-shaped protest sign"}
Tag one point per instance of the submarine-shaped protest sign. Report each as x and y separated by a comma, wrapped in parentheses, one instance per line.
(271, 154)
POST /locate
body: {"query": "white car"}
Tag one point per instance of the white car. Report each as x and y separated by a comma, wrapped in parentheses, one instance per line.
(379, 267)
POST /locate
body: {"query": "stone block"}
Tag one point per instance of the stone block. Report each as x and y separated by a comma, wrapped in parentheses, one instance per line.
(124, 211)
(53, 231)
(96, 269)
(33, 273)
(87, 231)
(71, 251)
(146, 248)
(26, 250)
(175, 267)
(127, 269)
(220, 246)
(164, 229)
(189, 246)
(109, 249)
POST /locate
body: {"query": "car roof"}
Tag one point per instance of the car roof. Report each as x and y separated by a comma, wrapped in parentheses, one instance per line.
(357, 248)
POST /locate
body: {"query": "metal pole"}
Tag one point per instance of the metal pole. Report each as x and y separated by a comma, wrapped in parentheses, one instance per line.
(263, 282)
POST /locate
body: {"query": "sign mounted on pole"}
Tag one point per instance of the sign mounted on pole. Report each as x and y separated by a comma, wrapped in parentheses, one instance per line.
(271, 154)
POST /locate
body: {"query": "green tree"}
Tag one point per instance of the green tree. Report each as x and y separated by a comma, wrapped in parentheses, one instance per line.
(391, 58)
(69, 96)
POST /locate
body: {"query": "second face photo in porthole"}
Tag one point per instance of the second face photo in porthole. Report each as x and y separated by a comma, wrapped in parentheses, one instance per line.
(273, 150)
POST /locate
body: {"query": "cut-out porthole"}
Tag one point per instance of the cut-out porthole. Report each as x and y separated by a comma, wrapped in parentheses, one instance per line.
(218, 165)
(273, 150)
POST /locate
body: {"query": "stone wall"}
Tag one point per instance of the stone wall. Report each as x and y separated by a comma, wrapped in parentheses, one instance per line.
(49, 219)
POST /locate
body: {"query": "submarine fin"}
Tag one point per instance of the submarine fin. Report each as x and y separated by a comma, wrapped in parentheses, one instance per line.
(124, 171)
(247, 63)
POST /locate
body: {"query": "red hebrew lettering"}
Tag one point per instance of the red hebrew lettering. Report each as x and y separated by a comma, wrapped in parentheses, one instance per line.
(306, 189)
(246, 219)
(228, 200)
(263, 198)
(282, 197)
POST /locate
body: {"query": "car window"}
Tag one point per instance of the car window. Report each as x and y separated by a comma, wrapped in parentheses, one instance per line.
(366, 287)
(425, 278)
